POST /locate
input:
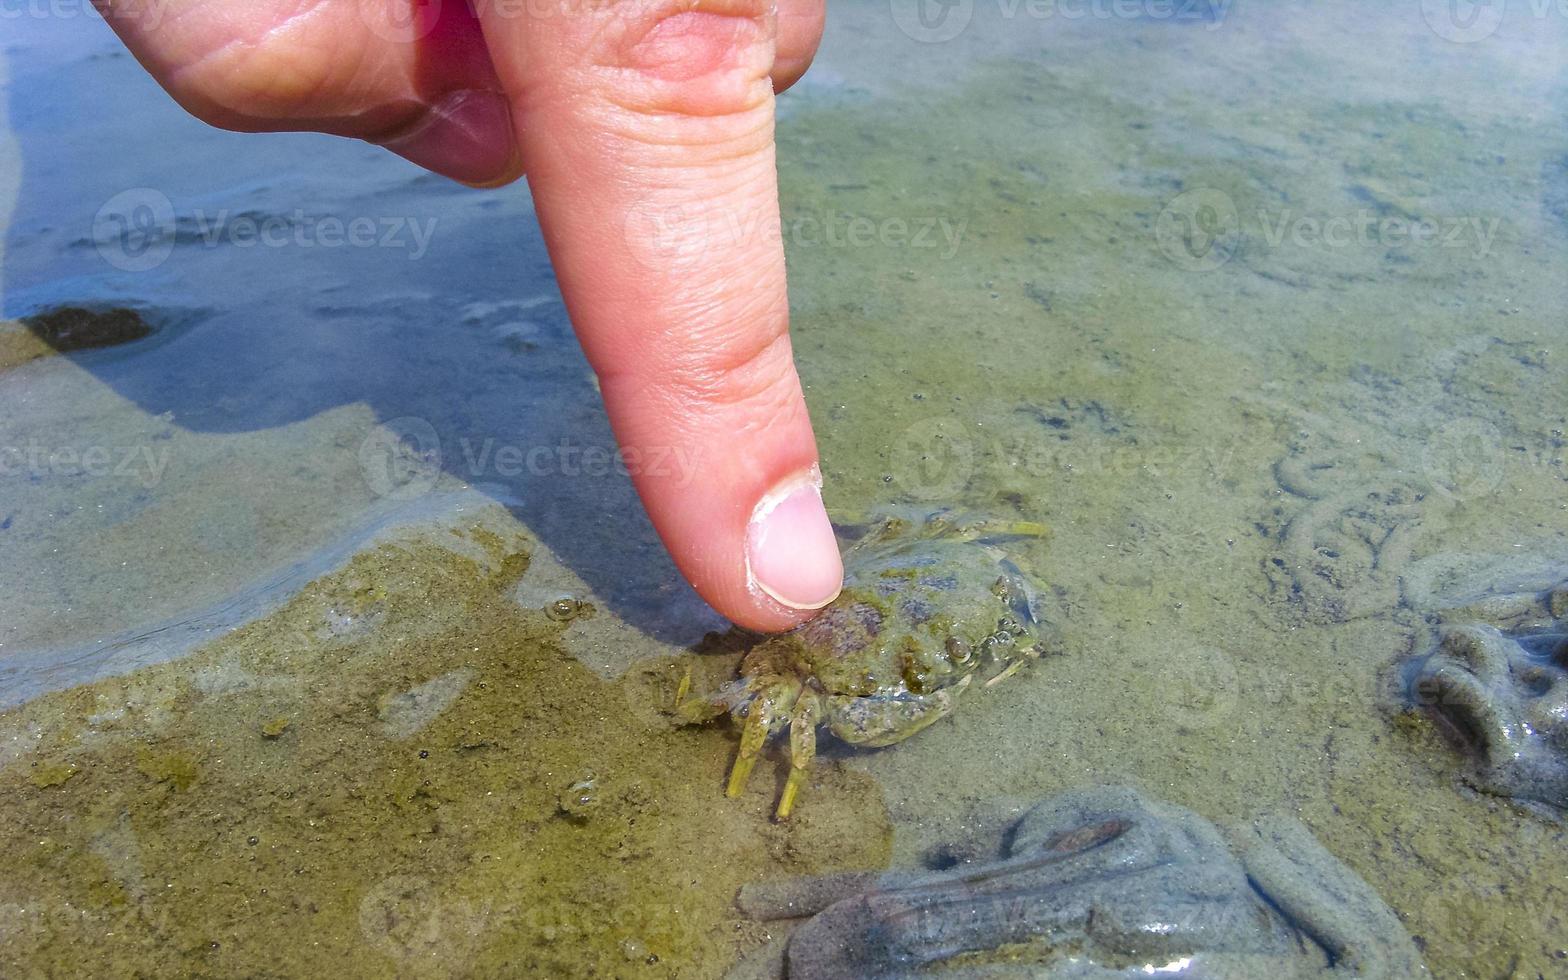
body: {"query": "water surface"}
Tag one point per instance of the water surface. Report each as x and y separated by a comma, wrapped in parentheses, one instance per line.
(1262, 312)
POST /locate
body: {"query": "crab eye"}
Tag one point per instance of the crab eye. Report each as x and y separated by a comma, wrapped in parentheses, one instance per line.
(958, 651)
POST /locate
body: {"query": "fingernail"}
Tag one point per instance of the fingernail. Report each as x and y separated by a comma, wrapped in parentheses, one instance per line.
(790, 549)
(466, 136)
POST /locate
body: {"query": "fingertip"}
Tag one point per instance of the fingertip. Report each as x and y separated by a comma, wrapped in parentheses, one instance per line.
(791, 552)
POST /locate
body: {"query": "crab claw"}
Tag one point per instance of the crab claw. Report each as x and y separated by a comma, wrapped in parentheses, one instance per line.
(694, 711)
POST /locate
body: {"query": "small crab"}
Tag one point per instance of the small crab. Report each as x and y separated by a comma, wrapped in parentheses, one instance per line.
(928, 604)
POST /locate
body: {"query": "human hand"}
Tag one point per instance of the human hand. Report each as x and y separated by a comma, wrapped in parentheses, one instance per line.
(645, 128)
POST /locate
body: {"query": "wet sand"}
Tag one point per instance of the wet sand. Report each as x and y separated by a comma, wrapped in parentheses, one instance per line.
(1154, 284)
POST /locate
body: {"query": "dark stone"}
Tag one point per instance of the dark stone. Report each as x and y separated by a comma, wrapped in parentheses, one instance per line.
(72, 328)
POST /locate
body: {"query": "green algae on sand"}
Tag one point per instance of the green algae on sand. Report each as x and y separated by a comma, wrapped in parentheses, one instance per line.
(408, 818)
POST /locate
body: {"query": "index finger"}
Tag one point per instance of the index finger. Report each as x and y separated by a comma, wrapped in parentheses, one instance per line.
(647, 134)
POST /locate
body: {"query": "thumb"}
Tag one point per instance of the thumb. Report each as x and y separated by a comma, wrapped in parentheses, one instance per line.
(647, 135)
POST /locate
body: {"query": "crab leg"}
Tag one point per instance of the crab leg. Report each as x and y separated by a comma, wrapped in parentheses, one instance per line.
(802, 750)
(752, 736)
(762, 713)
(1009, 671)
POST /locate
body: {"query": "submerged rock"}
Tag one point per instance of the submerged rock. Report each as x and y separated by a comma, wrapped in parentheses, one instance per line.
(1499, 689)
(64, 329)
(69, 328)
(1098, 883)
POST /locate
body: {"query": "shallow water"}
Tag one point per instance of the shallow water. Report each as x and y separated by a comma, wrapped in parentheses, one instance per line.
(286, 685)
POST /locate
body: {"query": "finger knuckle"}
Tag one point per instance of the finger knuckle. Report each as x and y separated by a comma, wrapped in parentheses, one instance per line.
(685, 58)
(727, 369)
